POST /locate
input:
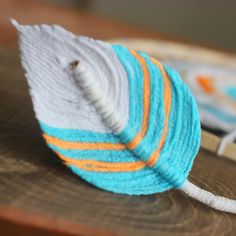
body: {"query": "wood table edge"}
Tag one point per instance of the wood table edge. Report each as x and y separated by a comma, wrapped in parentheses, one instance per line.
(10, 216)
(18, 216)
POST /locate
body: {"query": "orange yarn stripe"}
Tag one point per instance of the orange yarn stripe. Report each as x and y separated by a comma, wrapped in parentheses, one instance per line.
(167, 103)
(83, 145)
(206, 84)
(99, 166)
(146, 101)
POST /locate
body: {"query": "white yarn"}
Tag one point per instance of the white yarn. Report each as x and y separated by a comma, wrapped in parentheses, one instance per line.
(228, 138)
(46, 52)
(208, 198)
(95, 95)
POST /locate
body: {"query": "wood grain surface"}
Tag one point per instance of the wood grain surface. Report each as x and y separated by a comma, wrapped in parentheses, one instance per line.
(34, 179)
(40, 196)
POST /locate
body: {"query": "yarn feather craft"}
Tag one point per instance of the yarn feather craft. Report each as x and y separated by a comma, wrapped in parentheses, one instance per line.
(119, 118)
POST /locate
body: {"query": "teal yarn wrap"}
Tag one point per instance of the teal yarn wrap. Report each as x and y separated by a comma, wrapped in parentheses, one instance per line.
(180, 148)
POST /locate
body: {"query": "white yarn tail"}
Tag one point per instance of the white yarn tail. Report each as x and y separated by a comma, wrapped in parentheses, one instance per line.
(228, 138)
(208, 198)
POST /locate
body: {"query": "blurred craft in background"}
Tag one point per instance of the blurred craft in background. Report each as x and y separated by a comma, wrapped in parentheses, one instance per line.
(211, 22)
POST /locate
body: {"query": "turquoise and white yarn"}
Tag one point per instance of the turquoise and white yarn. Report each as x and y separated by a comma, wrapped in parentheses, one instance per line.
(118, 118)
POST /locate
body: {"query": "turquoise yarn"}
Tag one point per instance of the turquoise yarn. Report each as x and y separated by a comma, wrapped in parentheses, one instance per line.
(182, 141)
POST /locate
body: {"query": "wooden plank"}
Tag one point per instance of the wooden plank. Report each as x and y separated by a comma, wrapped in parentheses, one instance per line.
(40, 196)
(211, 142)
(14, 221)
(34, 179)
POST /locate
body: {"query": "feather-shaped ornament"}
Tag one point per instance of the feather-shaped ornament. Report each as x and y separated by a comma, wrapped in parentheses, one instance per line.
(118, 118)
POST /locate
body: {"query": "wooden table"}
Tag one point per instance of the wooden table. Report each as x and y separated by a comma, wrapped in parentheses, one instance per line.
(39, 196)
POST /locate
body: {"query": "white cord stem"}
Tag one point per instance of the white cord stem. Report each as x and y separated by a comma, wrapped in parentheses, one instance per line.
(208, 198)
(228, 138)
(93, 92)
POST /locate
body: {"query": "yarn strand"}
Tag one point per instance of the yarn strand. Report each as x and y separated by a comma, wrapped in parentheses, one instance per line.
(228, 138)
(93, 92)
(217, 202)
